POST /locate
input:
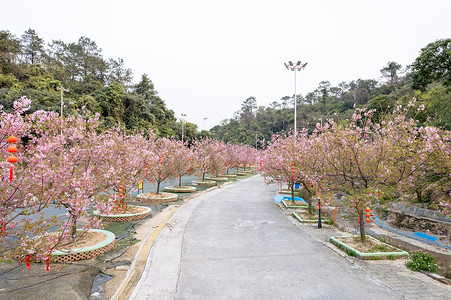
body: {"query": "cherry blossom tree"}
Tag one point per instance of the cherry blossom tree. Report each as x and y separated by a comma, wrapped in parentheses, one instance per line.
(183, 160)
(202, 151)
(163, 159)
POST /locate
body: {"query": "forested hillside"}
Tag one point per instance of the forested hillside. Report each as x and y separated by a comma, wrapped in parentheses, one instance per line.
(428, 79)
(30, 67)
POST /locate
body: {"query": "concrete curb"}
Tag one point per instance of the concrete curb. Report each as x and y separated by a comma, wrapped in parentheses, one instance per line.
(296, 216)
(136, 270)
(362, 255)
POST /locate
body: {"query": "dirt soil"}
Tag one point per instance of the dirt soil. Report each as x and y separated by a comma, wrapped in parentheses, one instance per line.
(367, 247)
(154, 195)
(85, 240)
(130, 210)
(306, 216)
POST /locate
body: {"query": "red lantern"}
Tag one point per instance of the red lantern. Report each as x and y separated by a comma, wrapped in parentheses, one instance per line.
(367, 214)
(11, 149)
(121, 193)
(12, 159)
(3, 228)
(12, 140)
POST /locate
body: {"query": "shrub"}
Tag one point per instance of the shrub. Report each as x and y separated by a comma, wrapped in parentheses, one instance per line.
(422, 261)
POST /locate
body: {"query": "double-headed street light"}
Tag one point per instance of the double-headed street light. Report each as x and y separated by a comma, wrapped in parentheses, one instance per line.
(295, 67)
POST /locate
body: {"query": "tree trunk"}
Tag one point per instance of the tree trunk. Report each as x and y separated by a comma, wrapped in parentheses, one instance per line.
(292, 191)
(362, 226)
(158, 187)
(73, 228)
(419, 198)
(203, 176)
(180, 180)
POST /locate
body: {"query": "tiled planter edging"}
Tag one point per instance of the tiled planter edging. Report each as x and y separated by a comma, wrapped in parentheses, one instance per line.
(64, 256)
(240, 173)
(125, 217)
(228, 175)
(376, 255)
(294, 206)
(176, 189)
(205, 183)
(296, 216)
(172, 197)
(218, 179)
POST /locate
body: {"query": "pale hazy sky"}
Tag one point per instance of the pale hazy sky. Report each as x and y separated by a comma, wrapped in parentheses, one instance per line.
(206, 57)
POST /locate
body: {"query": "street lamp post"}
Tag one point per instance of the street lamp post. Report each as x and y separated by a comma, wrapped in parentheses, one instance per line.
(204, 122)
(181, 120)
(255, 140)
(295, 67)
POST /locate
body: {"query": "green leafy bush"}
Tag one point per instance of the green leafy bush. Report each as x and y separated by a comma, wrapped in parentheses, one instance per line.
(422, 261)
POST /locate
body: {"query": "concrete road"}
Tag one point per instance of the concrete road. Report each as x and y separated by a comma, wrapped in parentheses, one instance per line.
(235, 243)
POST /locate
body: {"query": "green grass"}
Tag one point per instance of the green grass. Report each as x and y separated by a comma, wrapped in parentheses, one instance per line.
(422, 261)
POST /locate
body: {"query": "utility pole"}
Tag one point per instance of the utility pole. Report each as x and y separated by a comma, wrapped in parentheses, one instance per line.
(60, 88)
(181, 120)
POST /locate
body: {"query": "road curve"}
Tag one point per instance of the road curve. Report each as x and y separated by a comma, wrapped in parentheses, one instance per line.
(235, 243)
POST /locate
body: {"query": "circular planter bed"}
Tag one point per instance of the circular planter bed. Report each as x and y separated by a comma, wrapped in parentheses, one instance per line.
(372, 249)
(158, 198)
(228, 175)
(180, 189)
(104, 243)
(133, 213)
(218, 179)
(205, 183)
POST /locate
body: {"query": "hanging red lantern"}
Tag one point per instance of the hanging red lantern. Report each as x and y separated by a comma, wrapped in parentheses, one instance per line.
(367, 214)
(3, 228)
(121, 194)
(292, 171)
(147, 169)
(12, 159)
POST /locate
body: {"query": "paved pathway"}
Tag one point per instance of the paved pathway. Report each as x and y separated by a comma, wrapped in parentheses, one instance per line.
(235, 243)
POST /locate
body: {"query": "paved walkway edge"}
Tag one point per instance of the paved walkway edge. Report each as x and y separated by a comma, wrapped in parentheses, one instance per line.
(133, 276)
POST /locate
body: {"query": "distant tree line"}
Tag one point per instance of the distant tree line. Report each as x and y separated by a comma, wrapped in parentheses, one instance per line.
(428, 79)
(30, 67)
